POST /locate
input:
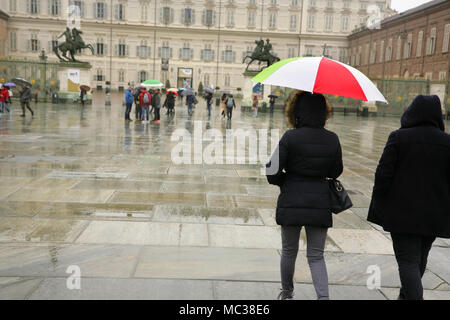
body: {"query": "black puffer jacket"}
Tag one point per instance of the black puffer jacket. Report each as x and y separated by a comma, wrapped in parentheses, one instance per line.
(307, 155)
(412, 182)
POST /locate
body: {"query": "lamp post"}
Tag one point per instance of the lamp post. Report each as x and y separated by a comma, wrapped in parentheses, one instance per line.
(108, 84)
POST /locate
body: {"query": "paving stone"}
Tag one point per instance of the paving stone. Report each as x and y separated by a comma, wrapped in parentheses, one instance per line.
(209, 263)
(173, 213)
(158, 198)
(361, 241)
(244, 236)
(439, 262)
(19, 289)
(124, 289)
(392, 294)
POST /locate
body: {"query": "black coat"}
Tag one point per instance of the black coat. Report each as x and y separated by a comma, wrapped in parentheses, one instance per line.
(412, 181)
(307, 155)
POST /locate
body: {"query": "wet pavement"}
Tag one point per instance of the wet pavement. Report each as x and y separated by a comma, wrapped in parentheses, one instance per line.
(80, 187)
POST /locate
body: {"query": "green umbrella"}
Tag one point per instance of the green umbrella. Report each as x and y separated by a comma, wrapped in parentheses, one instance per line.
(152, 84)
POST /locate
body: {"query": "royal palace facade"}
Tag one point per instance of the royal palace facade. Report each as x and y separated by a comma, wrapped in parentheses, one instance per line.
(184, 41)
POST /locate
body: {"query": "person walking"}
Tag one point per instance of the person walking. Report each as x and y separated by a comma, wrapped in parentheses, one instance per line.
(129, 103)
(11, 94)
(411, 194)
(190, 101)
(304, 158)
(271, 104)
(208, 98)
(137, 102)
(230, 105)
(156, 104)
(25, 98)
(169, 103)
(145, 99)
(4, 98)
(83, 96)
(255, 105)
(223, 105)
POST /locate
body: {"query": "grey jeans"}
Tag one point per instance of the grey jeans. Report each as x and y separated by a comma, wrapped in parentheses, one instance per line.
(315, 244)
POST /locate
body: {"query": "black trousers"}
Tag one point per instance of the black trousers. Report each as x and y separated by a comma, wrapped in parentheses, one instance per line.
(229, 112)
(411, 252)
(26, 104)
(157, 114)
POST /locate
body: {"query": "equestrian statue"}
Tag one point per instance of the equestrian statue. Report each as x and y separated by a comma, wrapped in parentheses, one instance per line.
(262, 53)
(73, 44)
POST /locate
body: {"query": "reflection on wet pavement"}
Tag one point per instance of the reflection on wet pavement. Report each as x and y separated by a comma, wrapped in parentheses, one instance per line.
(79, 186)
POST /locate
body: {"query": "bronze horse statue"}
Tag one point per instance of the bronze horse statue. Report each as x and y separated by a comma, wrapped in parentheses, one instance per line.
(74, 43)
(262, 53)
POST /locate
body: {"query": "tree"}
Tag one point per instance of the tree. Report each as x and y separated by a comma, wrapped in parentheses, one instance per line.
(168, 84)
(200, 88)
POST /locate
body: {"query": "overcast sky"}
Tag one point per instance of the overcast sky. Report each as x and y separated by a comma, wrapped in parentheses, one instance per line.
(403, 5)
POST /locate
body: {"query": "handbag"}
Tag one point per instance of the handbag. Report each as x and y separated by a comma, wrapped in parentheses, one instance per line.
(339, 198)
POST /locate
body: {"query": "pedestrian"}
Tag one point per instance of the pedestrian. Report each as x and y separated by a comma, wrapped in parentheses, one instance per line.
(83, 96)
(4, 98)
(129, 103)
(411, 194)
(156, 104)
(255, 105)
(145, 99)
(190, 102)
(209, 98)
(223, 104)
(271, 104)
(25, 98)
(169, 103)
(304, 158)
(11, 94)
(230, 105)
(138, 105)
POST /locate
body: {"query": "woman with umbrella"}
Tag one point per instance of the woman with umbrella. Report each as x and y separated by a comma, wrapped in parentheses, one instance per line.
(223, 104)
(272, 98)
(169, 103)
(208, 97)
(83, 94)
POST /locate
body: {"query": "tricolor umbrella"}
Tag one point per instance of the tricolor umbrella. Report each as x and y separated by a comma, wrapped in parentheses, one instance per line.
(173, 90)
(320, 75)
(152, 84)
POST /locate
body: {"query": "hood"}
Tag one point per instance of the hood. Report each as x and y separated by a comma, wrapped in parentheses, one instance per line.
(424, 110)
(311, 110)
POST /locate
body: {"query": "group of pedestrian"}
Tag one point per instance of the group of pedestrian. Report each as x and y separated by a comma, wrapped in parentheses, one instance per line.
(25, 98)
(410, 199)
(143, 99)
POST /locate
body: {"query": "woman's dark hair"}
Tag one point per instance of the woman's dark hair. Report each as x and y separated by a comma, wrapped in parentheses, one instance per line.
(306, 109)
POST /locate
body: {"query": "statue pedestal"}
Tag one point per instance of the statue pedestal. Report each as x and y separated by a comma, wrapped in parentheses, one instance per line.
(249, 87)
(71, 75)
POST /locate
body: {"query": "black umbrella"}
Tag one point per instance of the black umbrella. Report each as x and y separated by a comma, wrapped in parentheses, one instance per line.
(273, 96)
(21, 81)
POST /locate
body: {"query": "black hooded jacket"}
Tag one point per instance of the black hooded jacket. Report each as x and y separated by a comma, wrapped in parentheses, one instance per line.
(303, 159)
(412, 181)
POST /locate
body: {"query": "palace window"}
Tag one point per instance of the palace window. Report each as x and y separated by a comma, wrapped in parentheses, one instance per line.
(121, 75)
(291, 52)
(12, 5)
(311, 21)
(187, 16)
(121, 49)
(143, 76)
(206, 80)
(373, 53)
(209, 17)
(346, 4)
(228, 55)
(165, 51)
(431, 42)
(328, 23)
(207, 54)
(408, 47)
(227, 80)
(101, 47)
(230, 18)
(80, 5)
(293, 24)
(54, 7)
(272, 20)
(100, 10)
(344, 23)
(312, 3)
(53, 43)
(419, 44)
(381, 50)
(309, 51)
(186, 53)
(119, 12)
(389, 50)
(398, 54)
(143, 50)
(166, 15)
(33, 6)
(99, 76)
(251, 18)
(446, 38)
(34, 44)
(13, 41)
(144, 11)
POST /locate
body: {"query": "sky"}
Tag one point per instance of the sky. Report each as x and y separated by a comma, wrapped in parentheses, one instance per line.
(403, 5)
